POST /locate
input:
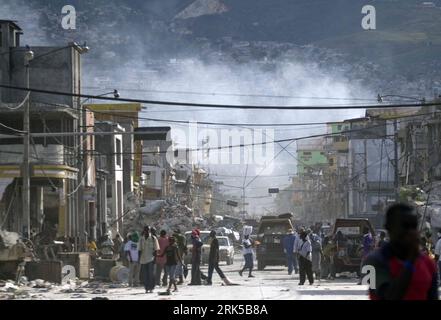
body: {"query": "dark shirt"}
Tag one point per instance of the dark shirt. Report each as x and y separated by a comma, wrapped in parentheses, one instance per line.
(196, 251)
(171, 253)
(214, 251)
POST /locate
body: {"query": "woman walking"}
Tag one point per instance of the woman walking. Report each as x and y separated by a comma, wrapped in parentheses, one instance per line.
(173, 257)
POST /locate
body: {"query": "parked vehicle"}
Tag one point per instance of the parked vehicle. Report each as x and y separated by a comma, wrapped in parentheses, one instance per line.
(226, 250)
(269, 242)
(348, 236)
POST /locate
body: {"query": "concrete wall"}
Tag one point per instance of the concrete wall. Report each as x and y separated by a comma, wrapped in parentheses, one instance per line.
(59, 70)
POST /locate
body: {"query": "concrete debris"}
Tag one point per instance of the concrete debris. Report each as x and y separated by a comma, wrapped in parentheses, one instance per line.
(8, 239)
(99, 291)
(167, 215)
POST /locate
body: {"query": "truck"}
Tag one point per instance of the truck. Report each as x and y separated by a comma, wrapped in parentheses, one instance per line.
(348, 235)
(270, 233)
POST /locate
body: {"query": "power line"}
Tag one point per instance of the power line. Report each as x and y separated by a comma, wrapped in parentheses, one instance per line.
(206, 105)
(236, 94)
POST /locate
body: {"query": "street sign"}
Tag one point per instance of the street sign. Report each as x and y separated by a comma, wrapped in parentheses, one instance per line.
(232, 203)
(273, 190)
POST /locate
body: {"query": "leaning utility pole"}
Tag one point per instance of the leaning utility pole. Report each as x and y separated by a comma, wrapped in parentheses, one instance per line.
(26, 194)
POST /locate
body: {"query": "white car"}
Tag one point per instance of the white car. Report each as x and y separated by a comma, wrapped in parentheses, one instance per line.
(226, 249)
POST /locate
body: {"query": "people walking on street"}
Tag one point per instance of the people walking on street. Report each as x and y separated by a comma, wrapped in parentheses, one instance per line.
(402, 272)
(213, 260)
(171, 254)
(305, 259)
(438, 254)
(317, 254)
(196, 256)
(288, 248)
(247, 251)
(148, 248)
(160, 259)
(132, 254)
(182, 246)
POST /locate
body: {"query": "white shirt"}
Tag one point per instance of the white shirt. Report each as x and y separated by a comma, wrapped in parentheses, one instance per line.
(146, 246)
(248, 250)
(438, 249)
(132, 247)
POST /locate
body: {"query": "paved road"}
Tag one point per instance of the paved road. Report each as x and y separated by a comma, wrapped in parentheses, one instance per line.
(272, 283)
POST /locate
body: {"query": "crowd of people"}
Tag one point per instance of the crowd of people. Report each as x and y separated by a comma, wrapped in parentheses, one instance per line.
(406, 263)
(156, 261)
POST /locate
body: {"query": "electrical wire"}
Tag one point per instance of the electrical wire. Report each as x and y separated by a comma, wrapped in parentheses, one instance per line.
(21, 104)
(12, 129)
(227, 106)
(234, 94)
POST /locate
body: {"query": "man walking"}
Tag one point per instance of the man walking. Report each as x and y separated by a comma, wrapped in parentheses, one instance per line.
(247, 251)
(305, 259)
(148, 248)
(213, 260)
(401, 271)
(317, 253)
(182, 247)
(132, 254)
(160, 259)
(288, 247)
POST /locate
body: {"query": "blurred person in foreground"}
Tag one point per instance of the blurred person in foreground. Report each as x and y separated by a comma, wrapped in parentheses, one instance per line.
(402, 272)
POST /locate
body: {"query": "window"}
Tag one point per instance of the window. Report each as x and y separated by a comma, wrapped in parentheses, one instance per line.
(339, 127)
(118, 152)
(306, 153)
(1, 39)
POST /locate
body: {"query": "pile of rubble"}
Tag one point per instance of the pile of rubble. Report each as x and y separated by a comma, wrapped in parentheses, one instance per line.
(38, 289)
(164, 215)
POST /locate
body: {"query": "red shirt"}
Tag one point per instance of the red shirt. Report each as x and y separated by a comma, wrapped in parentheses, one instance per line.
(423, 284)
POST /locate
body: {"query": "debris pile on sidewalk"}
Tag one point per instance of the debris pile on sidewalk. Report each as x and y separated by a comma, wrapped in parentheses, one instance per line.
(36, 289)
(161, 214)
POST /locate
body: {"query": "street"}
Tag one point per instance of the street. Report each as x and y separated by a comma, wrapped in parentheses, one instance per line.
(271, 284)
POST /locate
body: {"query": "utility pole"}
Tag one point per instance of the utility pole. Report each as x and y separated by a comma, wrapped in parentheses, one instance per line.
(26, 194)
(396, 179)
